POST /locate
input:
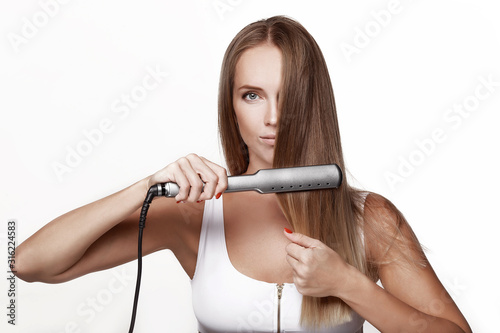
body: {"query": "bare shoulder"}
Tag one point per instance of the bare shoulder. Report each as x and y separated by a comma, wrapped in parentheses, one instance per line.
(379, 209)
(380, 213)
(401, 264)
(388, 235)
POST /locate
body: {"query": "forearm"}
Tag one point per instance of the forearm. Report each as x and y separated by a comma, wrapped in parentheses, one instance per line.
(388, 313)
(61, 243)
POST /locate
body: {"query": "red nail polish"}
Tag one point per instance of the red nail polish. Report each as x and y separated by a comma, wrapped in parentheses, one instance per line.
(178, 201)
(288, 230)
(218, 195)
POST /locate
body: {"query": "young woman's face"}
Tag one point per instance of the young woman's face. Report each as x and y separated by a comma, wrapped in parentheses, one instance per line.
(257, 83)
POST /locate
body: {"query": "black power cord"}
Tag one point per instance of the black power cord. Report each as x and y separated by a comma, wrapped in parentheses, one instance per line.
(152, 192)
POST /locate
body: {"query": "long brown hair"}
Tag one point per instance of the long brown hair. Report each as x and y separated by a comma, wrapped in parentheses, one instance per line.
(308, 134)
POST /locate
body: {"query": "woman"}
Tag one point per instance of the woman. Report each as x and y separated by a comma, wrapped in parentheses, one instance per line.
(249, 270)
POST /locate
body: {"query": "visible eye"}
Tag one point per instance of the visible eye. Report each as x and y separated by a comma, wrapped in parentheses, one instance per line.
(250, 96)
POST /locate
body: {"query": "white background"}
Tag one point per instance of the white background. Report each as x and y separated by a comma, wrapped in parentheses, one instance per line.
(62, 79)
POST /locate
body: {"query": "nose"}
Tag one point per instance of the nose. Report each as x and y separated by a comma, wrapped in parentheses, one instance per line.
(271, 117)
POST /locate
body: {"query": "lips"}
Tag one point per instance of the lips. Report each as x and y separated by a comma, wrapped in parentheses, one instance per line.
(268, 139)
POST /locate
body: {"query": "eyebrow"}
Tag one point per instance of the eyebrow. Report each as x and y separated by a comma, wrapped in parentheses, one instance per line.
(249, 87)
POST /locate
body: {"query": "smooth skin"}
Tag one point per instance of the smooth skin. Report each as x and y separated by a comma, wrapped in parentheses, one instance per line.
(412, 300)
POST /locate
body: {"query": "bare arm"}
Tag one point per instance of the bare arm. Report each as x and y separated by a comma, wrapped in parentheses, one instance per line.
(56, 247)
(412, 300)
(103, 234)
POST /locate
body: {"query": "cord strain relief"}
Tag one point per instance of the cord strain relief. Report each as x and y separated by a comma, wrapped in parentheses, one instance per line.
(144, 212)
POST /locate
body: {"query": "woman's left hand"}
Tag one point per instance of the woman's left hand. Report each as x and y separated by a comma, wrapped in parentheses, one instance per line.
(317, 269)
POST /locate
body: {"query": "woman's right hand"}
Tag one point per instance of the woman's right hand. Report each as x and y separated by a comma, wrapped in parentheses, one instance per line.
(198, 178)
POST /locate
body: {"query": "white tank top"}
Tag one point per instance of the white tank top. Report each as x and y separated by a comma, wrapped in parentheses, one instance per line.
(225, 300)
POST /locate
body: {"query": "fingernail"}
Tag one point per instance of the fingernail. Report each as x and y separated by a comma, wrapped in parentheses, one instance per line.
(218, 195)
(288, 230)
(178, 201)
(199, 201)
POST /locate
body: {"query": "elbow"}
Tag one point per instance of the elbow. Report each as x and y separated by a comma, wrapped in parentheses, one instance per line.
(25, 277)
(21, 268)
(25, 267)
(29, 268)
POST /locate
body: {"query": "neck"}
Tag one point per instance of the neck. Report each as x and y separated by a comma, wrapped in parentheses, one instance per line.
(254, 167)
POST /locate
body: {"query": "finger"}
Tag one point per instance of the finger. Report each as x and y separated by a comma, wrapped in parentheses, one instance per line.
(203, 178)
(178, 177)
(295, 251)
(212, 175)
(192, 190)
(302, 239)
(221, 173)
(292, 262)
